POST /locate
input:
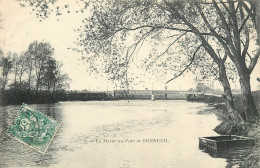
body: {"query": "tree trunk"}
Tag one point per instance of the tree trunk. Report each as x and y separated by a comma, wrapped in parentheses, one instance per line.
(37, 85)
(20, 87)
(232, 112)
(4, 81)
(15, 80)
(249, 106)
(48, 86)
(30, 73)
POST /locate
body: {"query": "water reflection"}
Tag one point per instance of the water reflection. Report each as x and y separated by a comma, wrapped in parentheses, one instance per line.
(228, 154)
(83, 123)
(234, 157)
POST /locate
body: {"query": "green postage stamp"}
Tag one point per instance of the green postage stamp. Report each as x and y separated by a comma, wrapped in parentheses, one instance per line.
(33, 128)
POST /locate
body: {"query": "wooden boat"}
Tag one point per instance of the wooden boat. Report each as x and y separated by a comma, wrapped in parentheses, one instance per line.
(226, 142)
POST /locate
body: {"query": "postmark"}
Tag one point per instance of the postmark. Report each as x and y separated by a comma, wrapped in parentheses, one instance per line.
(33, 128)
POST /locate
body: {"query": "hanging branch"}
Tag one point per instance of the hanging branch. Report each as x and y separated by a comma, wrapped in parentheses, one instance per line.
(187, 66)
(167, 49)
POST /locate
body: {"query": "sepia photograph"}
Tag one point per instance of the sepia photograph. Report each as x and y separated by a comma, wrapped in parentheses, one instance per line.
(130, 83)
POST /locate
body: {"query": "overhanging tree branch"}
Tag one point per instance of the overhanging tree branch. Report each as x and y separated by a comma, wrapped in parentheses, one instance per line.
(226, 26)
(249, 11)
(163, 27)
(243, 24)
(187, 66)
(253, 61)
(225, 6)
(235, 29)
(205, 44)
(167, 49)
(134, 46)
(246, 45)
(223, 43)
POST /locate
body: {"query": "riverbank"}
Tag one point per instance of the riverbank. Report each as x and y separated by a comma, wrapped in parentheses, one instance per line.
(249, 158)
(17, 97)
(246, 159)
(210, 99)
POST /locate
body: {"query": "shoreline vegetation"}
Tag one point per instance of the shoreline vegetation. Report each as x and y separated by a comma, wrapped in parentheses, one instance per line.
(16, 97)
(248, 158)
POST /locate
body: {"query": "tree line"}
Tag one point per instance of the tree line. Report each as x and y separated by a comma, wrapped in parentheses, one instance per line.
(32, 72)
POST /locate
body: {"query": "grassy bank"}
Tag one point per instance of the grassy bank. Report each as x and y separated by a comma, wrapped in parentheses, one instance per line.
(210, 99)
(250, 158)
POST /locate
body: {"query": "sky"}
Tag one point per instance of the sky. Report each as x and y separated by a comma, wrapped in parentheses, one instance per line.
(20, 28)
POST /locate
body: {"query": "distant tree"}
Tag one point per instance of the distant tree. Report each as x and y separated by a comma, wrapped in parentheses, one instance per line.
(40, 52)
(201, 87)
(15, 68)
(29, 63)
(21, 68)
(61, 80)
(6, 66)
(50, 73)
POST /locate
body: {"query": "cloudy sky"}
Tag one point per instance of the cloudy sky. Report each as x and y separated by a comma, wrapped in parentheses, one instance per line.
(20, 28)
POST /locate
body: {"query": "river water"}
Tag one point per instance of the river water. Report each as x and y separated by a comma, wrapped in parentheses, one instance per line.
(116, 134)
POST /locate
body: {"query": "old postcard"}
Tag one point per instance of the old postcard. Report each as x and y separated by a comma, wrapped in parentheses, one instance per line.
(130, 83)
